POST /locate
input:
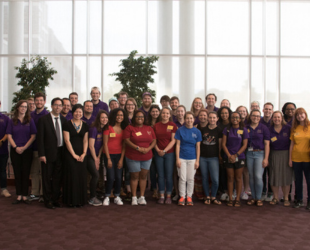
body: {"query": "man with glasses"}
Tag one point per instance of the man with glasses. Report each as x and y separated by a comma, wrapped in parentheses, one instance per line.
(50, 149)
(122, 98)
(35, 172)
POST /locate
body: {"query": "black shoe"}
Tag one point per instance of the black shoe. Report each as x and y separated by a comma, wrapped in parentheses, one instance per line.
(16, 202)
(28, 202)
(298, 204)
(308, 205)
(49, 205)
(57, 204)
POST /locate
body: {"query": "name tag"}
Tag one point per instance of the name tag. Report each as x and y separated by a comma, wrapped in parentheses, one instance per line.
(138, 134)
(248, 130)
(273, 139)
(170, 127)
(112, 135)
(250, 149)
(240, 132)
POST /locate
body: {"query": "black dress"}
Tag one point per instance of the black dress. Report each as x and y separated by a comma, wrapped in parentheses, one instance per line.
(75, 173)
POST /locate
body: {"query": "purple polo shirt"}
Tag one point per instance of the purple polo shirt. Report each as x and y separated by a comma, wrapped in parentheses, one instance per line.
(280, 141)
(215, 108)
(21, 133)
(179, 125)
(196, 121)
(89, 121)
(36, 118)
(68, 116)
(4, 121)
(93, 133)
(267, 124)
(257, 136)
(234, 140)
(98, 106)
(290, 122)
(144, 111)
(174, 118)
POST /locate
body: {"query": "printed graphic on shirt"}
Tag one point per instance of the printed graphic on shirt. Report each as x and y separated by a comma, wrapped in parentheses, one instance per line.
(194, 135)
(208, 139)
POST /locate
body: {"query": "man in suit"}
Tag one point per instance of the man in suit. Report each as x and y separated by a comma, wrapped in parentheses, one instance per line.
(50, 150)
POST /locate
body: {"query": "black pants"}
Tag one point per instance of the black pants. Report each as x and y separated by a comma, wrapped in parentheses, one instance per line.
(51, 178)
(91, 167)
(21, 166)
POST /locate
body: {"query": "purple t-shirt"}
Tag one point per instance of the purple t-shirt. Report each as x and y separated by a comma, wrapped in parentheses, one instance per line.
(234, 140)
(196, 121)
(257, 136)
(179, 125)
(214, 109)
(68, 116)
(93, 133)
(144, 111)
(21, 133)
(290, 122)
(98, 106)
(36, 118)
(267, 124)
(4, 121)
(174, 118)
(280, 141)
(89, 121)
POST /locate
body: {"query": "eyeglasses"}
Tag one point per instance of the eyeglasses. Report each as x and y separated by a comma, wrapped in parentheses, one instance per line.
(255, 116)
(130, 105)
(24, 107)
(289, 109)
(198, 103)
(235, 118)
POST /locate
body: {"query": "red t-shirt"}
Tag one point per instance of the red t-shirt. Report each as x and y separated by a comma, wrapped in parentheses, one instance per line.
(115, 142)
(141, 136)
(163, 134)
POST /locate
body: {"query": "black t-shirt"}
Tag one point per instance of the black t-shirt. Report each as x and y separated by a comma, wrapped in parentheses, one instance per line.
(209, 147)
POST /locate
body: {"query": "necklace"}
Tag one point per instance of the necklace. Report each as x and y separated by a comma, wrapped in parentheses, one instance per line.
(77, 128)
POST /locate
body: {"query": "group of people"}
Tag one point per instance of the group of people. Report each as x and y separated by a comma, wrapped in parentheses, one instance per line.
(215, 153)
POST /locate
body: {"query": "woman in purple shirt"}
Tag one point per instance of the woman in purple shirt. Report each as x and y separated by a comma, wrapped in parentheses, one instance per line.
(257, 155)
(281, 174)
(95, 144)
(179, 121)
(196, 106)
(288, 111)
(234, 143)
(21, 133)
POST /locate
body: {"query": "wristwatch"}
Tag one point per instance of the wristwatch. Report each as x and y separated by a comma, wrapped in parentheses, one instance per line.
(164, 151)
(137, 148)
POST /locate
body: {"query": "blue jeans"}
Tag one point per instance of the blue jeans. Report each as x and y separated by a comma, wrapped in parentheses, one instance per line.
(256, 170)
(300, 167)
(165, 165)
(113, 173)
(210, 165)
(3, 163)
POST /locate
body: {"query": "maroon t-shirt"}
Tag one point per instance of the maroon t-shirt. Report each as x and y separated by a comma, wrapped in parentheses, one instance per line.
(141, 136)
(163, 134)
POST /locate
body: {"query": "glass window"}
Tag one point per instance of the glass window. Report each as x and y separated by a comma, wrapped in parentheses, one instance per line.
(272, 82)
(257, 81)
(80, 78)
(80, 27)
(52, 27)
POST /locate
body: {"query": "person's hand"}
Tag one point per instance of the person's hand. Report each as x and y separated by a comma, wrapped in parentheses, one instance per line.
(109, 163)
(178, 163)
(81, 158)
(120, 164)
(232, 159)
(19, 150)
(75, 156)
(97, 163)
(161, 153)
(196, 164)
(43, 159)
(1, 144)
(290, 163)
(265, 163)
(220, 159)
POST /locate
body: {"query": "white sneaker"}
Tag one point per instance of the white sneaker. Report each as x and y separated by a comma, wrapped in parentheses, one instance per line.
(6, 193)
(142, 201)
(118, 201)
(263, 197)
(234, 195)
(106, 201)
(244, 196)
(175, 198)
(224, 197)
(134, 201)
(269, 197)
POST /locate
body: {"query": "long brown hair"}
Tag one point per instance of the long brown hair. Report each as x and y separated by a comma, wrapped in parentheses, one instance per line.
(97, 123)
(296, 122)
(192, 107)
(27, 117)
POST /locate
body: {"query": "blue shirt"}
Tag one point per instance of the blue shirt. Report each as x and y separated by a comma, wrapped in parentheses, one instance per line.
(188, 137)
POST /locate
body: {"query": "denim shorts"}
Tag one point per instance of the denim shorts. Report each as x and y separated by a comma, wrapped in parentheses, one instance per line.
(136, 166)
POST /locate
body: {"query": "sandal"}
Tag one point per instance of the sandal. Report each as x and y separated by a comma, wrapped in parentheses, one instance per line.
(259, 203)
(207, 201)
(274, 201)
(251, 202)
(230, 203)
(155, 194)
(216, 202)
(287, 203)
(237, 203)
